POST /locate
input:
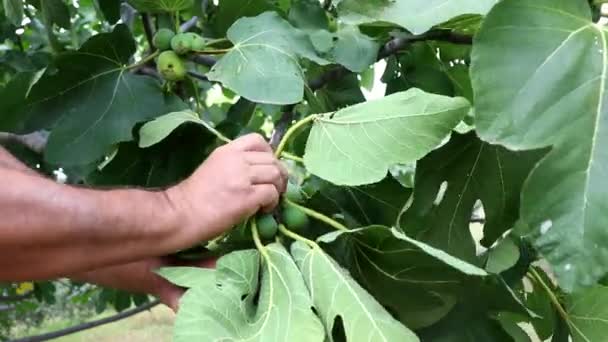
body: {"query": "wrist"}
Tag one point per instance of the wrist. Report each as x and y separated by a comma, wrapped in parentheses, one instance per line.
(170, 222)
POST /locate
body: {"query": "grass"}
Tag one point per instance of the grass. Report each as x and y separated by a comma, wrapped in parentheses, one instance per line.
(151, 326)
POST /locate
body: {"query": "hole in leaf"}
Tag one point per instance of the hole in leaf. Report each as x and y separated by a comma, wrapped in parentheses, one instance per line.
(314, 310)
(243, 297)
(337, 331)
(219, 286)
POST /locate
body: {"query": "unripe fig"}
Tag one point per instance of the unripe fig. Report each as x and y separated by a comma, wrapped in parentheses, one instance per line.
(267, 226)
(182, 43)
(198, 43)
(294, 218)
(171, 67)
(162, 39)
(294, 193)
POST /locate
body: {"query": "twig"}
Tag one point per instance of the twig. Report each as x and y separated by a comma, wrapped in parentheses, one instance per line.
(198, 76)
(204, 60)
(149, 71)
(391, 48)
(188, 25)
(88, 325)
(396, 44)
(147, 23)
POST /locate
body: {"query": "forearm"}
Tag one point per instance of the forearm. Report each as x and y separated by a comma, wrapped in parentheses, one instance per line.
(50, 230)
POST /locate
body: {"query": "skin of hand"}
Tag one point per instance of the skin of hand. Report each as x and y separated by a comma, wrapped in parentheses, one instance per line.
(50, 230)
(238, 179)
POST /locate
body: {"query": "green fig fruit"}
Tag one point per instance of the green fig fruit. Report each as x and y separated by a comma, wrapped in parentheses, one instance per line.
(162, 39)
(294, 193)
(267, 226)
(171, 67)
(294, 218)
(182, 43)
(198, 43)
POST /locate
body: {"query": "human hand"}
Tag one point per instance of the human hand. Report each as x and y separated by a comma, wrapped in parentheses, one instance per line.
(140, 277)
(235, 182)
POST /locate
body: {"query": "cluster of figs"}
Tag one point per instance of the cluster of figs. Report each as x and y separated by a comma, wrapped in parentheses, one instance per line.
(170, 64)
(292, 217)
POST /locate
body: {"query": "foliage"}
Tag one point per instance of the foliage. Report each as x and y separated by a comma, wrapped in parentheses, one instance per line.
(495, 109)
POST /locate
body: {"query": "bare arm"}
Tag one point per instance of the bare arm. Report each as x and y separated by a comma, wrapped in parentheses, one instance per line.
(49, 230)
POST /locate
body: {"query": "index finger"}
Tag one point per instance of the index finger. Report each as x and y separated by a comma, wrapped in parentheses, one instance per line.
(252, 142)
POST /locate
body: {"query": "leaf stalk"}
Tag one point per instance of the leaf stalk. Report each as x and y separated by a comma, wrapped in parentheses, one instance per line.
(317, 215)
(291, 131)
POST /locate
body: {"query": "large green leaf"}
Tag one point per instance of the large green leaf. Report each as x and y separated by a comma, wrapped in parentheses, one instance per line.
(449, 182)
(263, 66)
(379, 203)
(588, 314)
(353, 49)
(417, 16)
(358, 145)
(158, 6)
(92, 102)
(159, 166)
(337, 295)
(221, 305)
(13, 10)
(551, 91)
(308, 15)
(160, 128)
(418, 283)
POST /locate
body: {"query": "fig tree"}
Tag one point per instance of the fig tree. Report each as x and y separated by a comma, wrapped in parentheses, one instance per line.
(267, 226)
(294, 218)
(170, 66)
(162, 39)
